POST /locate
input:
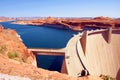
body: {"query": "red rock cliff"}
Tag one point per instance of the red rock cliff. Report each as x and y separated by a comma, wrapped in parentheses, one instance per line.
(11, 46)
(75, 23)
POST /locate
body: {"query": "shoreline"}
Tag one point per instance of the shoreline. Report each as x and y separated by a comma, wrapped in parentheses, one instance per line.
(76, 24)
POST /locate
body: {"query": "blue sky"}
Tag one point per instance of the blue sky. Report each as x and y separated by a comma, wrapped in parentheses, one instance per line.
(59, 8)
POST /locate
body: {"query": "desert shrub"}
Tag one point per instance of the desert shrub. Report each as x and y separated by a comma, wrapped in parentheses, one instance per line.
(12, 54)
(106, 77)
(3, 48)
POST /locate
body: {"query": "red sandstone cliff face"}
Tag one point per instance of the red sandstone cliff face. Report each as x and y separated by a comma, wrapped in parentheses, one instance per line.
(12, 47)
(76, 23)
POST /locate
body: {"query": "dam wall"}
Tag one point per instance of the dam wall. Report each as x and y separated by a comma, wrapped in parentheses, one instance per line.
(99, 52)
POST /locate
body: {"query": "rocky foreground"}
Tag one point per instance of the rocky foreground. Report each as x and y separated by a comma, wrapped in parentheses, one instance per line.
(8, 77)
(76, 24)
(16, 60)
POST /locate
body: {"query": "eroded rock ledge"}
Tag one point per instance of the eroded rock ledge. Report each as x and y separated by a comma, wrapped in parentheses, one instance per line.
(11, 46)
(73, 23)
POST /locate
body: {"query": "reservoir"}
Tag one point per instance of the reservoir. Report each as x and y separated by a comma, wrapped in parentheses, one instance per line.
(43, 37)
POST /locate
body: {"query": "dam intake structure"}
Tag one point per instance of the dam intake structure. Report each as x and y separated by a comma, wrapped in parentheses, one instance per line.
(96, 51)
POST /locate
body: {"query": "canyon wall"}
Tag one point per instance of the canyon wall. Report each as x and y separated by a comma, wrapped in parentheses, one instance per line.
(11, 46)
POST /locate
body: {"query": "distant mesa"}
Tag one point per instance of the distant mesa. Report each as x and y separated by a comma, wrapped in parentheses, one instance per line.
(3, 19)
(76, 24)
(102, 18)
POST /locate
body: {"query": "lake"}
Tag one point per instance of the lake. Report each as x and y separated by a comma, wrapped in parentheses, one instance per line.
(43, 37)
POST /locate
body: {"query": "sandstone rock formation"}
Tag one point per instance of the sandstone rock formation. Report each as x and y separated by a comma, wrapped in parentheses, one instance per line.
(11, 46)
(34, 73)
(75, 23)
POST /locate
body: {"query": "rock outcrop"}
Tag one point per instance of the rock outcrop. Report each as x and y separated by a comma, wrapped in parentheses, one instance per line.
(11, 46)
(75, 23)
(34, 73)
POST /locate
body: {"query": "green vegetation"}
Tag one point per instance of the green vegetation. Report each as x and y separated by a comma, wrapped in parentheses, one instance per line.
(106, 77)
(13, 55)
(3, 48)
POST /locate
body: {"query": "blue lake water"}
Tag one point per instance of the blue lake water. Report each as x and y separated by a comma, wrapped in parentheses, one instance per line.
(43, 37)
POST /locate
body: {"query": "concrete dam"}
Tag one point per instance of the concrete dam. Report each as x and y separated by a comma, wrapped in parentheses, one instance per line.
(97, 51)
